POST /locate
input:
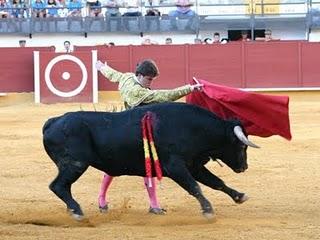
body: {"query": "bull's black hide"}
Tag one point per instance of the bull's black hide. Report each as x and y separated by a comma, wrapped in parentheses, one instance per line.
(186, 137)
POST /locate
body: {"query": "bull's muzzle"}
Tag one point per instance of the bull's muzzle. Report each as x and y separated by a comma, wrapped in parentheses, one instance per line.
(240, 170)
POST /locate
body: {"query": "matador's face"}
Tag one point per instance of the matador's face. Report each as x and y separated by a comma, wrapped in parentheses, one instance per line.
(145, 81)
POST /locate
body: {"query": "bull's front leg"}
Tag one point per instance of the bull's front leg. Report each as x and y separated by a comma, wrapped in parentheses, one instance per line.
(179, 173)
(204, 176)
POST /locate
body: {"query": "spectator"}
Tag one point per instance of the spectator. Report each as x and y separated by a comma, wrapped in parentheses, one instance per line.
(147, 41)
(63, 11)
(112, 11)
(133, 7)
(67, 47)
(109, 44)
(244, 36)
(224, 40)
(216, 37)
(207, 41)
(197, 41)
(152, 14)
(52, 8)
(74, 13)
(74, 8)
(5, 11)
(113, 8)
(168, 41)
(151, 11)
(19, 9)
(267, 36)
(22, 43)
(95, 9)
(39, 9)
(183, 10)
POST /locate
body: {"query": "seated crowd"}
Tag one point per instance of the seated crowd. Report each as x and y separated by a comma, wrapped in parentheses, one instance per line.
(119, 11)
(95, 8)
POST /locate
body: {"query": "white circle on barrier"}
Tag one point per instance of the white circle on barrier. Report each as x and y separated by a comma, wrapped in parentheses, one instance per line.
(65, 74)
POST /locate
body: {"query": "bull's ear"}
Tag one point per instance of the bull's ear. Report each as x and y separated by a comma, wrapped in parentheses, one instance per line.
(242, 137)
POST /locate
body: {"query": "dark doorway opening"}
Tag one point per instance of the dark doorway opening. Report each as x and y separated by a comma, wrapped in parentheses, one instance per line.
(235, 35)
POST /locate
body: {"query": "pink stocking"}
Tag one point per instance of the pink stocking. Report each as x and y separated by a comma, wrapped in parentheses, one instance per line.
(152, 192)
(103, 190)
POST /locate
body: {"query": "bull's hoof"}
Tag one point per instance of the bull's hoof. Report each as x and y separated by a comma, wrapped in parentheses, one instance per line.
(103, 209)
(75, 216)
(241, 198)
(208, 212)
(208, 215)
(157, 211)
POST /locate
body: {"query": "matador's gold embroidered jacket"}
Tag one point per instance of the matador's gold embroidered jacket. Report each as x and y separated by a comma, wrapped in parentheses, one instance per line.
(133, 94)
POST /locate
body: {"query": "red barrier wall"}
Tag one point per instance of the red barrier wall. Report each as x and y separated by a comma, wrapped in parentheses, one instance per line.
(310, 59)
(252, 65)
(221, 64)
(16, 68)
(278, 64)
(272, 64)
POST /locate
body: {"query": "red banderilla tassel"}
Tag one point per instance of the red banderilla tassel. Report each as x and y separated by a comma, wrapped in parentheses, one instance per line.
(153, 148)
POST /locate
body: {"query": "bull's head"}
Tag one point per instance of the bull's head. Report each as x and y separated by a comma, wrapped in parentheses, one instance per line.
(234, 154)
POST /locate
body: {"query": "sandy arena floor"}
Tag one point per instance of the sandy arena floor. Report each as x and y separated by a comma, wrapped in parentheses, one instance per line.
(282, 182)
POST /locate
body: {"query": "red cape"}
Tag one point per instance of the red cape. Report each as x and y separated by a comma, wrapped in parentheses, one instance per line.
(261, 115)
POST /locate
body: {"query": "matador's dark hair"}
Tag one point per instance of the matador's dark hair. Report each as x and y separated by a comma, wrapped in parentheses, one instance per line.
(147, 68)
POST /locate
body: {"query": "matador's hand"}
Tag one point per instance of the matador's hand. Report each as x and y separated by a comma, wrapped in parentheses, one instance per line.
(196, 87)
(100, 65)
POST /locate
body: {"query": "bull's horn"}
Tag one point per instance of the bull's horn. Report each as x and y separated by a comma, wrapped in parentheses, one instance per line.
(240, 135)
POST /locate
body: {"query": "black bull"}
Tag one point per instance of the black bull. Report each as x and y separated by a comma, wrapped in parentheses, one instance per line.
(185, 136)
